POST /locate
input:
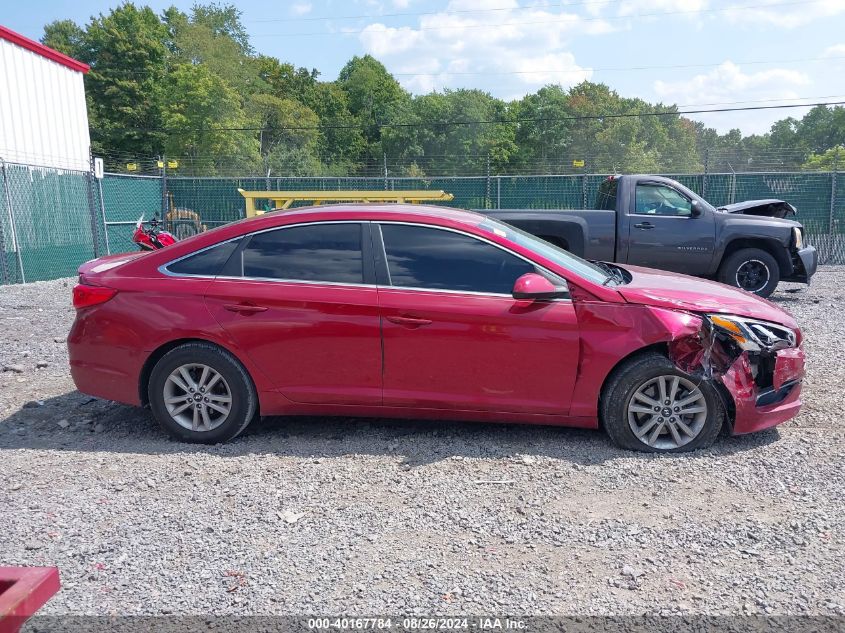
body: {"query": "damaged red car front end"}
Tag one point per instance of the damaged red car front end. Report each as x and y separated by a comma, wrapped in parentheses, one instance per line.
(748, 347)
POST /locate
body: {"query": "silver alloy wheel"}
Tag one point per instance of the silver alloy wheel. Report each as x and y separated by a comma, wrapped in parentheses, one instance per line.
(667, 412)
(197, 397)
(753, 275)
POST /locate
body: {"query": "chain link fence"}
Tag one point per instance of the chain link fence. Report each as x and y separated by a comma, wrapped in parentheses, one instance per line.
(821, 206)
(53, 220)
(49, 222)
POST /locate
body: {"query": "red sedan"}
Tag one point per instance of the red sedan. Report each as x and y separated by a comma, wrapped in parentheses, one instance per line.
(425, 312)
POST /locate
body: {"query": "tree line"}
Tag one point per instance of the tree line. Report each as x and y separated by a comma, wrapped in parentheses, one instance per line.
(190, 85)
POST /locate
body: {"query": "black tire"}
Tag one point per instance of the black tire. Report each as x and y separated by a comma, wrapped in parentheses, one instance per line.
(630, 376)
(244, 401)
(731, 271)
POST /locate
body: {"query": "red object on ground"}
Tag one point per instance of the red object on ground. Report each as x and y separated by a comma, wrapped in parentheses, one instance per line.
(24, 590)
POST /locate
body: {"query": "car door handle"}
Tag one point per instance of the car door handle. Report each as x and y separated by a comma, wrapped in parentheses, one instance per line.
(411, 322)
(244, 308)
(644, 225)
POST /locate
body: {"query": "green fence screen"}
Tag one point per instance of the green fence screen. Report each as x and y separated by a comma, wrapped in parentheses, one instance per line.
(48, 227)
(53, 220)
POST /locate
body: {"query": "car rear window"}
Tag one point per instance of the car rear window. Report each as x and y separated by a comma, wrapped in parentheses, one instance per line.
(208, 262)
(313, 252)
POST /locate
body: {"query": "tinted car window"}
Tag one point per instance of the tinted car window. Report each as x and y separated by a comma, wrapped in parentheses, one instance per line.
(661, 200)
(316, 252)
(420, 257)
(208, 262)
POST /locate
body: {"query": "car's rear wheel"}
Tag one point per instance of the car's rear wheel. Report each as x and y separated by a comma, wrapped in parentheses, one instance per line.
(648, 404)
(751, 269)
(201, 393)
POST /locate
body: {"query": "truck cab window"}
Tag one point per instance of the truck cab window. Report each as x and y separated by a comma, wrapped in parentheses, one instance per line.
(655, 199)
(606, 197)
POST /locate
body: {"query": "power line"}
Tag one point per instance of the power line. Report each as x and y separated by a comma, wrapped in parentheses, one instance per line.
(492, 121)
(572, 18)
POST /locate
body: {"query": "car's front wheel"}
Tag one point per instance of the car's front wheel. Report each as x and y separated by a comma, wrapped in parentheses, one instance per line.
(200, 393)
(648, 404)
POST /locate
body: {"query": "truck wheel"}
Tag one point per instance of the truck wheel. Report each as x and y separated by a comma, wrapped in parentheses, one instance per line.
(201, 393)
(650, 405)
(751, 269)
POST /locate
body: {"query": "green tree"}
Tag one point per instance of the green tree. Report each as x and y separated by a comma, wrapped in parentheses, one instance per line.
(127, 55)
(66, 36)
(288, 137)
(543, 135)
(832, 159)
(287, 81)
(374, 97)
(206, 122)
(457, 129)
(213, 37)
(342, 146)
(628, 135)
(223, 21)
(822, 128)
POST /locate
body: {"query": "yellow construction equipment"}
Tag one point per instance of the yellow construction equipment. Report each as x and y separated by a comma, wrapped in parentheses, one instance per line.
(283, 199)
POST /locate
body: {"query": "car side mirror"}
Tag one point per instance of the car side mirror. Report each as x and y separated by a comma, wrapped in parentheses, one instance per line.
(695, 209)
(535, 288)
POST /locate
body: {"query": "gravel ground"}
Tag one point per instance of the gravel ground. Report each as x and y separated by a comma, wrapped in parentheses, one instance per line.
(314, 516)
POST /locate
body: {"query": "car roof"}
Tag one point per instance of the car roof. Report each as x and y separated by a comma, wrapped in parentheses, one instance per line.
(424, 214)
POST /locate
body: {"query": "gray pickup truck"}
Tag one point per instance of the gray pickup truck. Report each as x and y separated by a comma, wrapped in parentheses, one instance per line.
(657, 222)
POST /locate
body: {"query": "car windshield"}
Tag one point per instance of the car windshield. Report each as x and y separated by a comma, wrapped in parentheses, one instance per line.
(563, 258)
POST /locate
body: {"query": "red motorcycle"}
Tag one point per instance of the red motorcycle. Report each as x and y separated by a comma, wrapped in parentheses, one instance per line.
(150, 236)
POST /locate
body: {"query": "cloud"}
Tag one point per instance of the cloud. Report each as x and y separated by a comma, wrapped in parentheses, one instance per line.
(837, 50)
(301, 8)
(508, 52)
(634, 7)
(787, 17)
(728, 84)
(626, 8)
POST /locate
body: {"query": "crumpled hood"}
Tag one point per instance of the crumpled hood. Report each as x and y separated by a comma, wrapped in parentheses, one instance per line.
(665, 289)
(768, 208)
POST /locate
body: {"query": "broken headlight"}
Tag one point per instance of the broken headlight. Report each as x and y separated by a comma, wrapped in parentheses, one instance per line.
(752, 334)
(798, 238)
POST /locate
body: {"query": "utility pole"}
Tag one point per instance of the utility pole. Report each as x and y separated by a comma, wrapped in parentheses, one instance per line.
(163, 187)
(384, 157)
(487, 202)
(831, 220)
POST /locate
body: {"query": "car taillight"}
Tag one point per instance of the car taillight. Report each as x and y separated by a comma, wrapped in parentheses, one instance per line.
(87, 296)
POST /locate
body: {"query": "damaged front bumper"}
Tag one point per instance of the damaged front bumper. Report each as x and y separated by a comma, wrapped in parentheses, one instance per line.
(759, 380)
(755, 407)
(804, 265)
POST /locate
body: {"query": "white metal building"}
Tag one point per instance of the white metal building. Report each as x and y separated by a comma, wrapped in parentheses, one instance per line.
(43, 119)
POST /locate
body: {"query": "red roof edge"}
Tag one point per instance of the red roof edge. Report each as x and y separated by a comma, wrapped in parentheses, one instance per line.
(44, 51)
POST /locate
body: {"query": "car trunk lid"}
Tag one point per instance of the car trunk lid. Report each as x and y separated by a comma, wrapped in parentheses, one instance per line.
(92, 269)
